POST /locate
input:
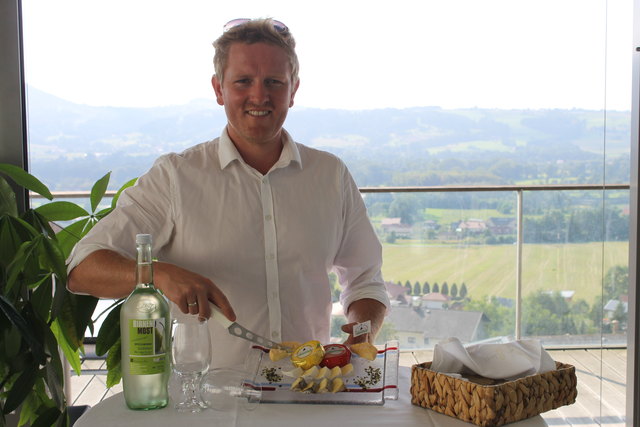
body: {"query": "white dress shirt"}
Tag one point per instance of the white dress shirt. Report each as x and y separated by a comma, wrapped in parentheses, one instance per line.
(267, 241)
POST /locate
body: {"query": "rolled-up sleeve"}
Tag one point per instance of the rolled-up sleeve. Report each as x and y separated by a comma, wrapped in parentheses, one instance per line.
(144, 208)
(358, 262)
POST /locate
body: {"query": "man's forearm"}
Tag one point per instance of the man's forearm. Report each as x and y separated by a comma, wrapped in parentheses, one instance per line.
(367, 309)
(107, 274)
(104, 274)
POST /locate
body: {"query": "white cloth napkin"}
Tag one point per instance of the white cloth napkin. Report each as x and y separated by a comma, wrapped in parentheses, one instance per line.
(506, 360)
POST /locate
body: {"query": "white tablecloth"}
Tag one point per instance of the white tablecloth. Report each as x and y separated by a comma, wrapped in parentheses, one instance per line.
(113, 412)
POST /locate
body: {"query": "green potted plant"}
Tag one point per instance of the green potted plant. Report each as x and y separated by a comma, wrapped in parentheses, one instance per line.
(38, 315)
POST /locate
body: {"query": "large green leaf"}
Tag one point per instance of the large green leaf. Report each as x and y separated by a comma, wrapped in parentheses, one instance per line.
(35, 403)
(72, 354)
(26, 331)
(19, 241)
(24, 254)
(61, 211)
(26, 180)
(70, 235)
(63, 421)
(103, 213)
(15, 364)
(24, 227)
(84, 306)
(74, 317)
(21, 388)
(39, 223)
(53, 374)
(98, 190)
(11, 343)
(59, 297)
(53, 259)
(42, 297)
(12, 234)
(127, 184)
(48, 418)
(114, 365)
(109, 332)
(67, 326)
(8, 204)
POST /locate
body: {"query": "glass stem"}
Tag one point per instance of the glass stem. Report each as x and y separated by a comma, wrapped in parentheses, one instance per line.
(188, 389)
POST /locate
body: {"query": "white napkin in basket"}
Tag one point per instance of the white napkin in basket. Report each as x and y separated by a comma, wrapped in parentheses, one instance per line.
(508, 360)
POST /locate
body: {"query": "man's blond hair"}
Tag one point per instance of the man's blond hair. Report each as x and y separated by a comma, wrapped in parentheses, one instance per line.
(255, 31)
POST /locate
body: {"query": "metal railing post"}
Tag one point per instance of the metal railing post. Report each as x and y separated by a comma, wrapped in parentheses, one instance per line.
(519, 239)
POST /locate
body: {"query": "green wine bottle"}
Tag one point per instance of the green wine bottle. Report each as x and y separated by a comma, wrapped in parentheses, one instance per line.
(145, 331)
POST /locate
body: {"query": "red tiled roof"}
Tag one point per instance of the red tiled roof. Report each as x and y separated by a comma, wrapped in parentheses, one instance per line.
(435, 296)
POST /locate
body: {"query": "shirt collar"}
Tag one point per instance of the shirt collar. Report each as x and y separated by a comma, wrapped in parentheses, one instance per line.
(227, 151)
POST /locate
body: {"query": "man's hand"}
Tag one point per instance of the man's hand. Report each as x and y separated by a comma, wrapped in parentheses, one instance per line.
(360, 311)
(190, 291)
(107, 274)
(348, 328)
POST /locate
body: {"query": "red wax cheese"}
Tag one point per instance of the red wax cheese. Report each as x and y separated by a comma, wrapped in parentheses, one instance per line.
(335, 355)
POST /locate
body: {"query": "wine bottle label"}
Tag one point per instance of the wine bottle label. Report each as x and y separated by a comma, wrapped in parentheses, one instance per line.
(147, 351)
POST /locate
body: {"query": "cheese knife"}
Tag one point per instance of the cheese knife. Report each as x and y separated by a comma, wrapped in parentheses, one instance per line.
(238, 330)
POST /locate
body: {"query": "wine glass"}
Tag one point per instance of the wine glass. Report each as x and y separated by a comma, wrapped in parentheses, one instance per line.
(190, 354)
(230, 389)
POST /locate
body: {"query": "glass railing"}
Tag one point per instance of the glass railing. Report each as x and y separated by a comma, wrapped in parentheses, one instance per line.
(484, 262)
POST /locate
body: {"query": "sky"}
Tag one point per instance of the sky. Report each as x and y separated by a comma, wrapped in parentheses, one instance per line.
(354, 54)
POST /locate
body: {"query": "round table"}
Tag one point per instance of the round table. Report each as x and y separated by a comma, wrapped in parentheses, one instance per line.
(113, 412)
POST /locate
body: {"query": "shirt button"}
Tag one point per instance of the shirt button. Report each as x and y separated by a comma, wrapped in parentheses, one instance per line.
(267, 217)
(271, 256)
(274, 334)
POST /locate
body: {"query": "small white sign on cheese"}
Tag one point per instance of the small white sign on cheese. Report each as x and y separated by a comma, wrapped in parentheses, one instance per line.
(361, 328)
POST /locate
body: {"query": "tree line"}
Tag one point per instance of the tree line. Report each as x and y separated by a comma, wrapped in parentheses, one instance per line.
(544, 313)
(549, 313)
(418, 289)
(548, 218)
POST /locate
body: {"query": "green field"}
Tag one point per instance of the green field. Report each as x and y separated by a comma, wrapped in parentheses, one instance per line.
(491, 270)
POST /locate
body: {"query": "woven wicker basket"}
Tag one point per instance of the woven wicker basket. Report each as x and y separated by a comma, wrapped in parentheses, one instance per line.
(486, 402)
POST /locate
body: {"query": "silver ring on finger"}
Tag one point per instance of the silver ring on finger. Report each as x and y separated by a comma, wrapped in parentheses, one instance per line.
(192, 304)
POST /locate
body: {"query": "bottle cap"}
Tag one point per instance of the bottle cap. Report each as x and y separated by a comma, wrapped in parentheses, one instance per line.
(143, 239)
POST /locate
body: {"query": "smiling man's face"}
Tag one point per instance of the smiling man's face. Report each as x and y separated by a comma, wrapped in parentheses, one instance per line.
(256, 93)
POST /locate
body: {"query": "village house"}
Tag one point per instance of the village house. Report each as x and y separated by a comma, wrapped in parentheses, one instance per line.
(397, 293)
(418, 327)
(396, 226)
(567, 295)
(612, 305)
(434, 301)
(501, 226)
(471, 226)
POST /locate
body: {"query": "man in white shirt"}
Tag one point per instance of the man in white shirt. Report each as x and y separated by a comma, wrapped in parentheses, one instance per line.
(251, 221)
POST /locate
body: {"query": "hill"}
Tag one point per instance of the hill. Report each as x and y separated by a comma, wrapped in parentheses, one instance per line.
(72, 145)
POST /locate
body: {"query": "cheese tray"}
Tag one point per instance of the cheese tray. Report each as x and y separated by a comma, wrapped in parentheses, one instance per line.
(369, 383)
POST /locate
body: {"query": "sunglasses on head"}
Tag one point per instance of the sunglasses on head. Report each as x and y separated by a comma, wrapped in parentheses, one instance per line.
(277, 25)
